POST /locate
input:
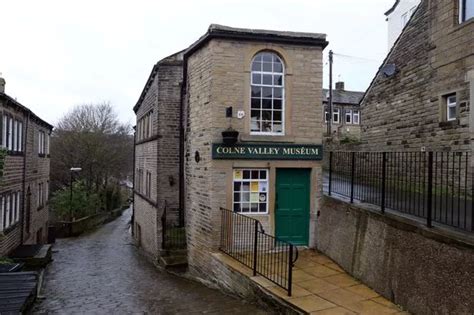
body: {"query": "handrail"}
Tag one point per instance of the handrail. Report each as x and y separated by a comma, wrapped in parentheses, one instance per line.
(244, 239)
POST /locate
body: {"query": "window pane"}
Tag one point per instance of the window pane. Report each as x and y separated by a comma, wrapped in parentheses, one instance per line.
(278, 67)
(254, 174)
(266, 114)
(236, 207)
(277, 104)
(258, 57)
(256, 78)
(254, 207)
(469, 10)
(267, 79)
(277, 127)
(277, 92)
(263, 174)
(266, 126)
(256, 66)
(451, 112)
(267, 57)
(267, 67)
(278, 80)
(267, 103)
(256, 91)
(237, 186)
(255, 103)
(277, 116)
(262, 207)
(267, 92)
(246, 174)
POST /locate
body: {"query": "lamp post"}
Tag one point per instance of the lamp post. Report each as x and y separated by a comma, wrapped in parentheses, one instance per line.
(72, 170)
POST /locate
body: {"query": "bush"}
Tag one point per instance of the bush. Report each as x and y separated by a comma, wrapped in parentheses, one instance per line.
(84, 203)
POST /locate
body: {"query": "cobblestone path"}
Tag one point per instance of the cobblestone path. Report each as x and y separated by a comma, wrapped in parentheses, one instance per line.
(102, 273)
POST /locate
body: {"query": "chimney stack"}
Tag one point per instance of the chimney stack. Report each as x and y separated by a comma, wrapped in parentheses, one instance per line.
(340, 86)
(2, 84)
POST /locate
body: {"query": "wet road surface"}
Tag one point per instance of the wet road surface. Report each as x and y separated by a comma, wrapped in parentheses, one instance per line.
(102, 273)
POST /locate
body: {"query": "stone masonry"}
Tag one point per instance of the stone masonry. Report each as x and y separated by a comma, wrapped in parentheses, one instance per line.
(26, 171)
(433, 57)
(158, 153)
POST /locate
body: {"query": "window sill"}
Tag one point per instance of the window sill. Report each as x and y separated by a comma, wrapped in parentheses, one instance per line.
(10, 228)
(463, 24)
(447, 124)
(147, 199)
(152, 138)
(41, 155)
(16, 153)
(266, 138)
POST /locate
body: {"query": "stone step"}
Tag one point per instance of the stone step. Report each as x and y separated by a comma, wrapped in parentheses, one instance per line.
(174, 263)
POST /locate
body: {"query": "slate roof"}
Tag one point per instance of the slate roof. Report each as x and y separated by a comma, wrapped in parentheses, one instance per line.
(343, 97)
(25, 109)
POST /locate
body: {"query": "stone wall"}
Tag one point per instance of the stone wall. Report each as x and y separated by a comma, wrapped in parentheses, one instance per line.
(406, 111)
(219, 77)
(421, 269)
(158, 154)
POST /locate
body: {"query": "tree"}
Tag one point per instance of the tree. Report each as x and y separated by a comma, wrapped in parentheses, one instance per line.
(92, 137)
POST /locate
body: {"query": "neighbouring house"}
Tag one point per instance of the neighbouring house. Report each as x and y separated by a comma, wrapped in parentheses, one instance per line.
(226, 124)
(420, 97)
(397, 18)
(24, 176)
(346, 118)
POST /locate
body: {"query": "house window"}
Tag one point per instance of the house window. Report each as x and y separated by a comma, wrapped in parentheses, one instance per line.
(466, 10)
(326, 116)
(451, 107)
(335, 116)
(267, 102)
(144, 127)
(40, 195)
(250, 192)
(12, 134)
(148, 184)
(9, 209)
(41, 143)
(349, 116)
(355, 117)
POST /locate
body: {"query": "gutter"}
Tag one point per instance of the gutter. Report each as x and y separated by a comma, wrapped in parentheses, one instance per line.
(181, 140)
(25, 141)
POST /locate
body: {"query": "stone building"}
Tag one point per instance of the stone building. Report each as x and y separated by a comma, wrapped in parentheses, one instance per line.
(25, 175)
(397, 18)
(345, 122)
(420, 97)
(255, 82)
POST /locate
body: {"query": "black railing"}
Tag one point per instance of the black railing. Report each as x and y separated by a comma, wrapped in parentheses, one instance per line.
(173, 231)
(244, 239)
(436, 186)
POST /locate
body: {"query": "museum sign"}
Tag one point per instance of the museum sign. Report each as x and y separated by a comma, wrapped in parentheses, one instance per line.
(267, 151)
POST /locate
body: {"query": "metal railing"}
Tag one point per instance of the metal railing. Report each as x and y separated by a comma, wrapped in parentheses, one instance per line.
(436, 186)
(173, 232)
(244, 239)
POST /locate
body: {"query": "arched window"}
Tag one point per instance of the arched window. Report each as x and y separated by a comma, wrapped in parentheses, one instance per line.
(267, 103)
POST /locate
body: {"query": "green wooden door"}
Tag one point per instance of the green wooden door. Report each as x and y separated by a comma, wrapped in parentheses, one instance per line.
(292, 205)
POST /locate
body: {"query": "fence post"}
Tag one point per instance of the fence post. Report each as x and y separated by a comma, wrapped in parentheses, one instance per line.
(384, 175)
(255, 249)
(330, 172)
(430, 190)
(290, 269)
(352, 176)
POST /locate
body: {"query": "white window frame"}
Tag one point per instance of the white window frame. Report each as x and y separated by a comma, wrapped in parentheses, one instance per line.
(4, 131)
(450, 104)
(2, 213)
(242, 180)
(336, 112)
(463, 11)
(20, 136)
(348, 113)
(356, 113)
(282, 86)
(10, 133)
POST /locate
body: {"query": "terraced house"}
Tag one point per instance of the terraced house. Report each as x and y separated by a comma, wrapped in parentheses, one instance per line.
(24, 184)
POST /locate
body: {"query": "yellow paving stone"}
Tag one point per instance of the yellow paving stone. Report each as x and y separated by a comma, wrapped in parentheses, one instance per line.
(334, 266)
(363, 291)
(300, 275)
(263, 281)
(341, 297)
(342, 280)
(305, 263)
(321, 259)
(369, 307)
(334, 311)
(385, 302)
(296, 291)
(317, 285)
(311, 303)
(320, 271)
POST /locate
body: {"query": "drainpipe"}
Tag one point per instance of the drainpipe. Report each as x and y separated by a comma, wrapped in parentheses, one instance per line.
(181, 142)
(133, 176)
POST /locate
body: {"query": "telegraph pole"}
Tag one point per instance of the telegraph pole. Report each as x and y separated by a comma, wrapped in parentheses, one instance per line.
(330, 92)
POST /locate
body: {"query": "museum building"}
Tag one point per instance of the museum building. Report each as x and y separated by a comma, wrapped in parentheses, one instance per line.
(232, 122)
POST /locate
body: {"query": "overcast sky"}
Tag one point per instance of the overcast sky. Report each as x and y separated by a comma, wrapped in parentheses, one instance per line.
(57, 54)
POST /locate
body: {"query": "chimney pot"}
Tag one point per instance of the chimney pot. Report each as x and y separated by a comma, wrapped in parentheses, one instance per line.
(340, 86)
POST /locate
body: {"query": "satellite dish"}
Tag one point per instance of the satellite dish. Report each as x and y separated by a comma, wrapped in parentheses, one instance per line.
(389, 69)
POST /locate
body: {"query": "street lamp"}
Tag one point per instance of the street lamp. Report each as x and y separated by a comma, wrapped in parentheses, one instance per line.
(72, 170)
